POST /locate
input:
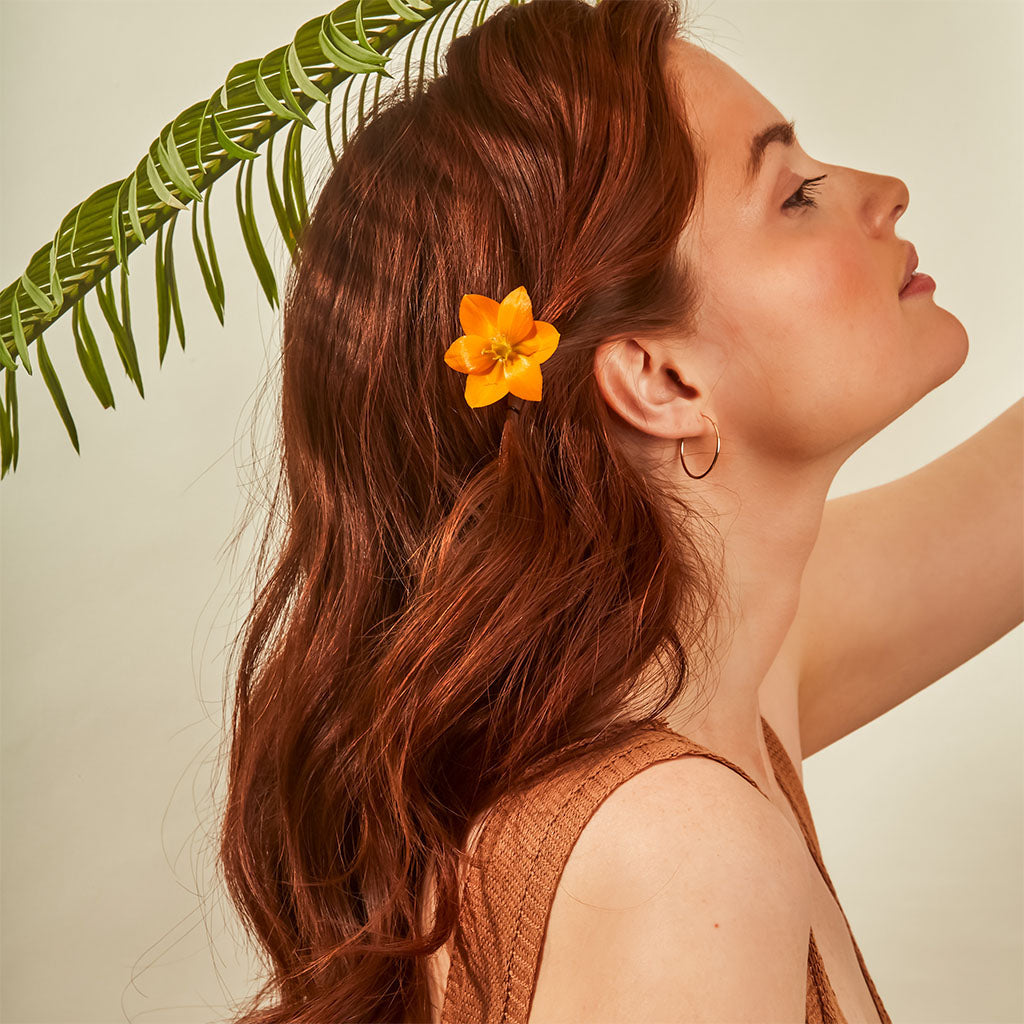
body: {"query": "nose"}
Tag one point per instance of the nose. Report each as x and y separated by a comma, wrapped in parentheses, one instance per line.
(886, 200)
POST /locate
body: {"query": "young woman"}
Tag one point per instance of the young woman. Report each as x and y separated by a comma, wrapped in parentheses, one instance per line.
(578, 340)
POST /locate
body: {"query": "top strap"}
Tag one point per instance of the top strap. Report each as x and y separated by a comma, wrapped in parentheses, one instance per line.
(789, 780)
(522, 849)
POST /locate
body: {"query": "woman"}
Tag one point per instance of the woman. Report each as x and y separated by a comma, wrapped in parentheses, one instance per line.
(502, 627)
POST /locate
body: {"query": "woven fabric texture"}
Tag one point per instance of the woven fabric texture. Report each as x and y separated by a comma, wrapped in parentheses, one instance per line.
(522, 848)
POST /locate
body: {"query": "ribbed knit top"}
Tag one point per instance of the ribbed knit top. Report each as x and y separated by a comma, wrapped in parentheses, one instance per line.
(522, 848)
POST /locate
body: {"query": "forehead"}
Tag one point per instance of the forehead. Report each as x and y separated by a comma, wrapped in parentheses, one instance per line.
(722, 107)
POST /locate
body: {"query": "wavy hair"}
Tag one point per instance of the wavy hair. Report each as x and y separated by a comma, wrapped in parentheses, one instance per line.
(457, 599)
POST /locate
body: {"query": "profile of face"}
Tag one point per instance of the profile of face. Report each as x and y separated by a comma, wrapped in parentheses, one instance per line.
(804, 347)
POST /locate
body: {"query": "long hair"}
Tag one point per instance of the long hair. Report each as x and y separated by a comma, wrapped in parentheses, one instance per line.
(456, 599)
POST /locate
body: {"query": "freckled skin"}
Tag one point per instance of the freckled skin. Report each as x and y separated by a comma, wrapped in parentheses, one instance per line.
(801, 351)
(804, 344)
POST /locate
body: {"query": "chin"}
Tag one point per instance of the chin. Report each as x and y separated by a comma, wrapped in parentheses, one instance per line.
(939, 349)
(943, 352)
(950, 348)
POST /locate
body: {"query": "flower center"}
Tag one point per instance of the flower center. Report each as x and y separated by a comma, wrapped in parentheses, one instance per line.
(500, 348)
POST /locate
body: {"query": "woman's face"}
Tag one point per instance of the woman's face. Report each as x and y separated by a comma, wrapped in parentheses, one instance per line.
(804, 346)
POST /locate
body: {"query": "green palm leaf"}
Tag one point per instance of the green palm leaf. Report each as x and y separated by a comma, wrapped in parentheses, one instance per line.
(354, 42)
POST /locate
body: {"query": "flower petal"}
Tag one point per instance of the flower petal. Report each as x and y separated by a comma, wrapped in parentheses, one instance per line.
(486, 388)
(479, 315)
(540, 342)
(515, 315)
(466, 354)
(524, 378)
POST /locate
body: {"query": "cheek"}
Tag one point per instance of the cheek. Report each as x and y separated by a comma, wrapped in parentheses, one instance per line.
(826, 321)
(898, 348)
(818, 360)
(837, 288)
(839, 302)
(846, 354)
(820, 349)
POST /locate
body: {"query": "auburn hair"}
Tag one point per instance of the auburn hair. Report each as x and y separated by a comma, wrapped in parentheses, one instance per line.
(455, 600)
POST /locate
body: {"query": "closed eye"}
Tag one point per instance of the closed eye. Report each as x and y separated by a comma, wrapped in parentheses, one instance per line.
(801, 197)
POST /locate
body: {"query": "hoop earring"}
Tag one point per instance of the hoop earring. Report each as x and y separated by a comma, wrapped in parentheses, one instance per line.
(718, 448)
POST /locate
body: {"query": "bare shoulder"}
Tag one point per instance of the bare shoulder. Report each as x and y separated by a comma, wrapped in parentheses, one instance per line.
(685, 898)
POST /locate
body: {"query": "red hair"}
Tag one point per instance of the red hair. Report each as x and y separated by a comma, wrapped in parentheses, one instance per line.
(435, 620)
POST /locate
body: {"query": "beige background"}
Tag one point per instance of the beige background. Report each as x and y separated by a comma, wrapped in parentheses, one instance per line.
(121, 590)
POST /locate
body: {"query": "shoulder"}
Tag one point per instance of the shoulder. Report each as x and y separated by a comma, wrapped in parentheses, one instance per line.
(685, 896)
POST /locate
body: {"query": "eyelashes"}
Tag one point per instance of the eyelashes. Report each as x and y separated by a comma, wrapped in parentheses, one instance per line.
(801, 196)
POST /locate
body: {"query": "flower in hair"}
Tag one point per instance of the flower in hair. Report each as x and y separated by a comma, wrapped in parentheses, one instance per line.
(502, 348)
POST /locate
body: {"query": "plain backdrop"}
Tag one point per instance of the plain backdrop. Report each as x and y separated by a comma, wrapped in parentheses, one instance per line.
(122, 588)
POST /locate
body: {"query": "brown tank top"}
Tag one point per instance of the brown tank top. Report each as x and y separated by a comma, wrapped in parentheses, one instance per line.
(522, 848)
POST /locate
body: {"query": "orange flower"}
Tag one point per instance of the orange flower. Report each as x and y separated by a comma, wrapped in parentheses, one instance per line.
(502, 348)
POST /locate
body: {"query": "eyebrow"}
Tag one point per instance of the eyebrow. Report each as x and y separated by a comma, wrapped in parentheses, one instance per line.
(783, 131)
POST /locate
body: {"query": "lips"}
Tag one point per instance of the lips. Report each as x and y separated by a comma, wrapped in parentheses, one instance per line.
(911, 266)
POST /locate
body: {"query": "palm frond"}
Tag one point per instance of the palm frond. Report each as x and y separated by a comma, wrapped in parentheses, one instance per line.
(354, 42)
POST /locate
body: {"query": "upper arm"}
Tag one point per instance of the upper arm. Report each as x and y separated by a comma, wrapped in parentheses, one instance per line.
(685, 898)
(910, 579)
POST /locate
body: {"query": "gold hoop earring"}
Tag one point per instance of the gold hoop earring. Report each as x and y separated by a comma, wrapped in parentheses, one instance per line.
(718, 448)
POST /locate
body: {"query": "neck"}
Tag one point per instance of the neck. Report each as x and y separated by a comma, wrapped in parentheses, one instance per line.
(765, 519)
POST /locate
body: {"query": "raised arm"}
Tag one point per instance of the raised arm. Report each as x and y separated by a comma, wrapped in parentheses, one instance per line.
(910, 579)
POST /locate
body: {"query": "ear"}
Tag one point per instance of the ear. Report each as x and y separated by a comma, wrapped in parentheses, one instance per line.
(646, 385)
